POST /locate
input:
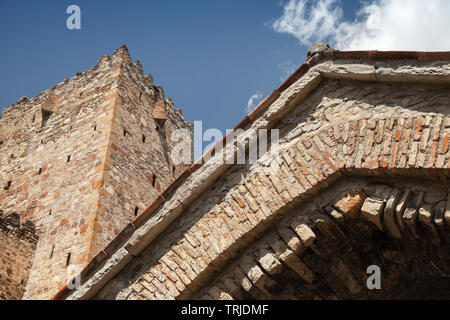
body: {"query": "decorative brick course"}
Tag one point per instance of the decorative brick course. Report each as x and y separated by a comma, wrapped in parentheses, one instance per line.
(284, 187)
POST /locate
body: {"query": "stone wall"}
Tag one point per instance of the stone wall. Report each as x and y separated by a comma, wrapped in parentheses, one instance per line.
(74, 161)
(138, 165)
(341, 129)
(58, 193)
(18, 245)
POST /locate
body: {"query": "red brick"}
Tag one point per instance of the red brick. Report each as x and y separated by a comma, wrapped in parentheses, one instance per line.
(380, 132)
(375, 157)
(318, 143)
(418, 129)
(394, 156)
(433, 153)
(385, 162)
(327, 158)
(424, 140)
(445, 143)
(369, 143)
(320, 162)
(437, 129)
(398, 131)
(405, 141)
(336, 130)
(302, 164)
(238, 199)
(307, 144)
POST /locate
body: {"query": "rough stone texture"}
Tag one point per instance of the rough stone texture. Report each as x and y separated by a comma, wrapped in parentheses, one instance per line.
(372, 140)
(335, 267)
(372, 209)
(18, 245)
(317, 48)
(81, 159)
(363, 149)
(351, 203)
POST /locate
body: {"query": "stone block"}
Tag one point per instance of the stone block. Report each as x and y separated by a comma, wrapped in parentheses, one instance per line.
(350, 203)
(372, 210)
(304, 232)
(389, 218)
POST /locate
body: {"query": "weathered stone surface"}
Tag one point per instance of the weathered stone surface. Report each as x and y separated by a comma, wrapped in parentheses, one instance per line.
(81, 160)
(270, 264)
(340, 267)
(372, 210)
(18, 245)
(447, 211)
(411, 214)
(95, 156)
(336, 215)
(292, 261)
(304, 232)
(439, 214)
(351, 203)
(389, 219)
(291, 240)
(400, 209)
(317, 48)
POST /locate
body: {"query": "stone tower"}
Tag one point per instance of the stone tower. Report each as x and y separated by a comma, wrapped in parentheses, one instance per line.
(83, 159)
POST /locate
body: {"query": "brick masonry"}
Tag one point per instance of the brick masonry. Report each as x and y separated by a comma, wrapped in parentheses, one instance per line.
(321, 252)
(364, 155)
(345, 128)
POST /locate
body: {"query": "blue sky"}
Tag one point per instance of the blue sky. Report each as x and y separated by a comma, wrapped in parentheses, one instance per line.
(210, 56)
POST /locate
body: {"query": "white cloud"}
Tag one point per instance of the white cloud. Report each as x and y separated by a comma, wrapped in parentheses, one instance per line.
(287, 68)
(254, 99)
(379, 24)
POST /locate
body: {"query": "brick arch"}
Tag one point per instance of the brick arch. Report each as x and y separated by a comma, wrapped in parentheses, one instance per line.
(321, 250)
(405, 146)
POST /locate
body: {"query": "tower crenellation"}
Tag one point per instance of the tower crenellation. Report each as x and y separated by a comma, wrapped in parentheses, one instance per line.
(18, 242)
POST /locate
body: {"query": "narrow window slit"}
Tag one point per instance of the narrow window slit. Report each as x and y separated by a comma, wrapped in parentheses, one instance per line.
(68, 158)
(154, 181)
(68, 259)
(136, 211)
(40, 170)
(8, 185)
(143, 138)
(51, 253)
